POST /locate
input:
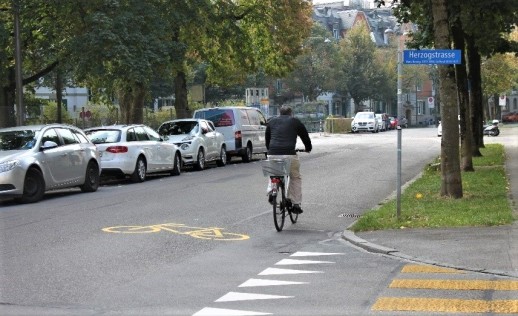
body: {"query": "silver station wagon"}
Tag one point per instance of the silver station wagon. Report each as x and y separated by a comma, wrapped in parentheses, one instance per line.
(39, 158)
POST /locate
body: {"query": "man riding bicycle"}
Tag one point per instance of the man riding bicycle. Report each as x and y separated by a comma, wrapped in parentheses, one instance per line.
(281, 138)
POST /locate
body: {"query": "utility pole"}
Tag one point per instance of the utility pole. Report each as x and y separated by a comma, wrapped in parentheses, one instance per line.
(398, 127)
(18, 61)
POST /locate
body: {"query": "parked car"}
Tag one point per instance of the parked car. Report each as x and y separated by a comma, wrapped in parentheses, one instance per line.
(135, 151)
(364, 121)
(510, 117)
(198, 140)
(39, 158)
(382, 122)
(244, 129)
(392, 122)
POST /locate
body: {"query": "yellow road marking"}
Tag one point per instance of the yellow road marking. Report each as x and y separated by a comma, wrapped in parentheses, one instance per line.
(503, 285)
(445, 305)
(414, 268)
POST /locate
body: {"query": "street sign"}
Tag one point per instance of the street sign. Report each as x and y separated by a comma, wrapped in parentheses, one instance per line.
(431, 102)
(432, 56)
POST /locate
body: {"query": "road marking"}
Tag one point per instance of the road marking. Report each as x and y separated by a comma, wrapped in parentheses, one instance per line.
(292, 261)
(503, 285)
(274, 271)
(237, 296)
(411, 304)
(310, 254)
(414, 268)
(207, 311)
(261, 282)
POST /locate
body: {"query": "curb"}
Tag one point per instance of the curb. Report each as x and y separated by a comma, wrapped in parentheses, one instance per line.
(349, 236)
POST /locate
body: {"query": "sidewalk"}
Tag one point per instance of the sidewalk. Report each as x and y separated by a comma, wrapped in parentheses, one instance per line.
(492, 250)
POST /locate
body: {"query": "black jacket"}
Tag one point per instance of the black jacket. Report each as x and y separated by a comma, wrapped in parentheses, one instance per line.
(281, 135)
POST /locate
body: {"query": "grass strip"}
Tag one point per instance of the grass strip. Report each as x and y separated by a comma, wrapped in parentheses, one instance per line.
(485, 199)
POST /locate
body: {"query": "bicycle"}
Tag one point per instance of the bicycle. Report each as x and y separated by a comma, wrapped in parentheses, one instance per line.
(279, 172)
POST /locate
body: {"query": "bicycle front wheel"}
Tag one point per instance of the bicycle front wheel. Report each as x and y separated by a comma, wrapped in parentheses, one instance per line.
(279, 209)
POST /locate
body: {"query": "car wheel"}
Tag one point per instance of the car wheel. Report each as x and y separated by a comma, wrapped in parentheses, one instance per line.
(92, 178)
(247, 156)
(139, 175)
(177, 169)
(222, 161)
(200, 161)
(33, 186)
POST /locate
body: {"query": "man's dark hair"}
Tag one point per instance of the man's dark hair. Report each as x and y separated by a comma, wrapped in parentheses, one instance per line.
(285, 110)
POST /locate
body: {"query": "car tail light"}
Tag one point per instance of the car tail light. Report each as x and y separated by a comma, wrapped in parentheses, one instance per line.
(117, 149)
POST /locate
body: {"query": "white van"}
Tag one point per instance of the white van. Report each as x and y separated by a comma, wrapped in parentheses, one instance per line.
(244, 129)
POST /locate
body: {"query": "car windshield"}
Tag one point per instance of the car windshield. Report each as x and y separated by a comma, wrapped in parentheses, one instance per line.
(220, 117)
(179, 128)
(364, 115)
(102, 136)
(17, 140)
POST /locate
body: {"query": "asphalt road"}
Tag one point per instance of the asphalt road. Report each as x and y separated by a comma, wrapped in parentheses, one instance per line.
(68, 255)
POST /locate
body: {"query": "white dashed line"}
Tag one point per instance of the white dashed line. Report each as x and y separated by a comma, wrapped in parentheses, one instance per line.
(237, 296)
(261, 282)
(207, 311)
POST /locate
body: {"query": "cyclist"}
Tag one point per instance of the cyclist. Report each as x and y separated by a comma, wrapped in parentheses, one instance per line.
(281, 138)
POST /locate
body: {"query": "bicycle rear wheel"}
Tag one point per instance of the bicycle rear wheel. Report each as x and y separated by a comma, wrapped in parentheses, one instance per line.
(279, 209)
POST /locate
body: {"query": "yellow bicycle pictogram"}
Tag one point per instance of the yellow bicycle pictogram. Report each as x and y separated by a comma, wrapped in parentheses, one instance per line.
(212, 233)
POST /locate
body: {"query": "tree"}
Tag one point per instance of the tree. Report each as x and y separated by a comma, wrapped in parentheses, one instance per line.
(316, 70)
(360, 71)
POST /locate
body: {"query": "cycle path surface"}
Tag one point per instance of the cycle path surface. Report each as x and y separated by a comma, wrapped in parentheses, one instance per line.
(492, 250)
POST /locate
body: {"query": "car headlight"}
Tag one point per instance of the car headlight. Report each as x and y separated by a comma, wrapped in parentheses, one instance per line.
(185, 146)
(8, 165)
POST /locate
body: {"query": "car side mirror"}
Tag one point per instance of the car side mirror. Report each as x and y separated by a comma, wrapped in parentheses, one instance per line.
(49, 145)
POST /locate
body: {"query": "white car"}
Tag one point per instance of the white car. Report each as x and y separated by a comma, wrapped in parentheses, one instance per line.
(134, 150)
(198, 140)
(365, 121)
(35, 159)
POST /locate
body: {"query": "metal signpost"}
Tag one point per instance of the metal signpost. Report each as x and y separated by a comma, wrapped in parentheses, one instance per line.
(417, 57)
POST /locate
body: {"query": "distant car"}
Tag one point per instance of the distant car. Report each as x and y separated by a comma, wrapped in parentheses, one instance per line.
(392, 122)
(382, 123)
(39, 158)
(510, 117)
(364, 121)
(134, 150)
(198, 140)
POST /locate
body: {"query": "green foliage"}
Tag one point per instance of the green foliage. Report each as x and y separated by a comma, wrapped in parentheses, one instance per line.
(360, 72)
(485, 201)
(317, 69)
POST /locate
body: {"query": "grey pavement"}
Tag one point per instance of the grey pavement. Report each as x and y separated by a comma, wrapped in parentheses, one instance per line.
(491, 250)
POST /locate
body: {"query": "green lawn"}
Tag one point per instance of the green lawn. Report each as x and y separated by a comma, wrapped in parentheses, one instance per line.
(485, 201)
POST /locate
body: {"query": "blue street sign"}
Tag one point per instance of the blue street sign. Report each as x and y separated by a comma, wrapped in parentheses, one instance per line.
(432, 56)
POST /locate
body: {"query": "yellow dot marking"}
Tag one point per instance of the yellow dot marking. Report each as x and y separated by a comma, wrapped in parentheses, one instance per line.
(414, 268)
(445, 305)
(482, 285)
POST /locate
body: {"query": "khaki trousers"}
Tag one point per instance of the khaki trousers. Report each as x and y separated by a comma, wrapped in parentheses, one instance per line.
(295, 187)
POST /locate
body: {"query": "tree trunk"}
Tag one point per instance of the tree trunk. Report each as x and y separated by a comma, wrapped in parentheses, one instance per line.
(466, 134)
(138, 97)
(450, 157)
(476, 104)
(181, 104)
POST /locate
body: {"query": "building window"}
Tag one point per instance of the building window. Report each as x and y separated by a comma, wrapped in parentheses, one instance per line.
(420, 107)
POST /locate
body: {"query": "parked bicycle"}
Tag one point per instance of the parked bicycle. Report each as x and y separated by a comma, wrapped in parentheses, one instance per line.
(279, 172)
